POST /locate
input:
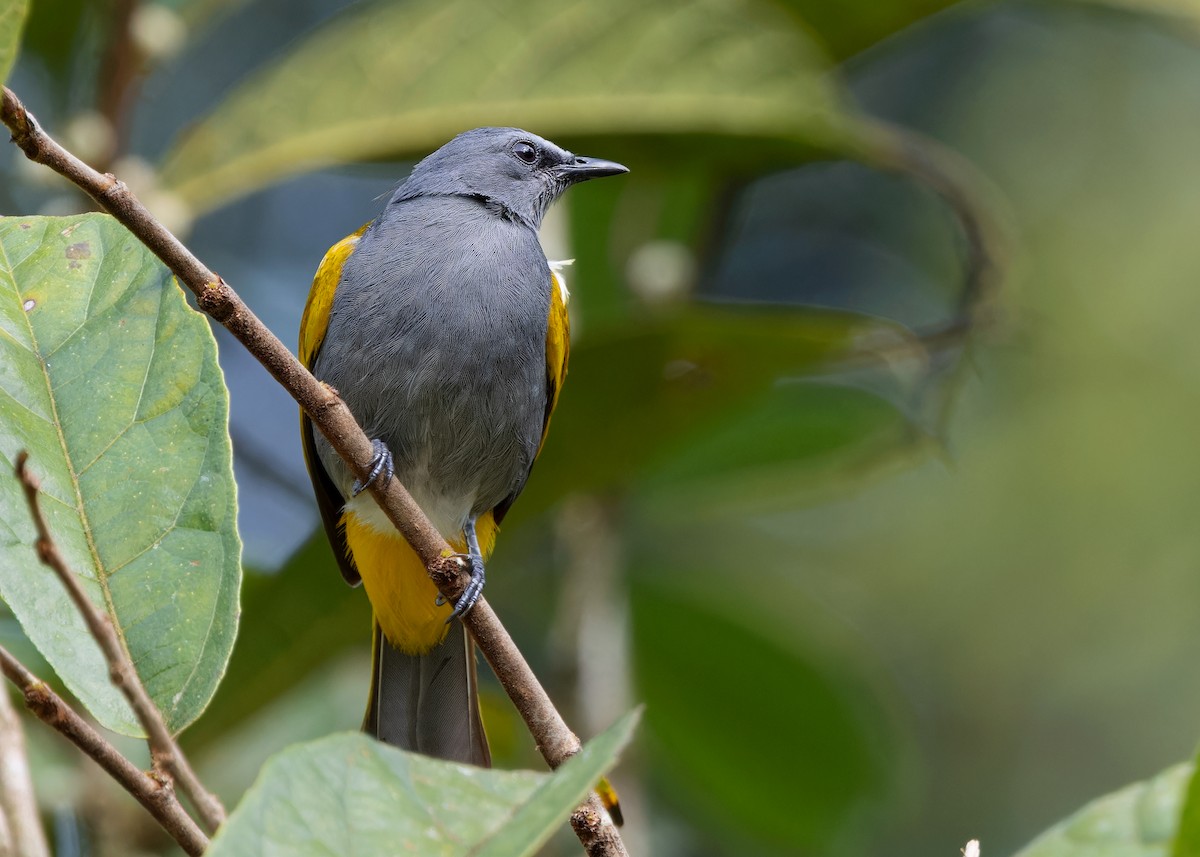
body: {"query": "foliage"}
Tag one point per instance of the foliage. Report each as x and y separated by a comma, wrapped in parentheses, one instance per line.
(715, 67)
(813, 763)
(12, 16)
(1138, 821)
(351, 795)
(113, 387)
(816, 605)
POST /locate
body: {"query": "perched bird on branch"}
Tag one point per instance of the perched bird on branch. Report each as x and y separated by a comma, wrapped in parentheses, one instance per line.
(444, 328)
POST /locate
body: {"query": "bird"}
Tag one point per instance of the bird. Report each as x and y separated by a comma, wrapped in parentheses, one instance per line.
(443, 327)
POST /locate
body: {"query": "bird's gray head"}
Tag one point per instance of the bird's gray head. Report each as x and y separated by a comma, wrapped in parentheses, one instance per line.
(518, 172)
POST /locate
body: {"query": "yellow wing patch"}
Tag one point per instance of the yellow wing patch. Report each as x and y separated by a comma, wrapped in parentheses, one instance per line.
(558, 348)
(313, 326)
(315, 320)
(401, 594)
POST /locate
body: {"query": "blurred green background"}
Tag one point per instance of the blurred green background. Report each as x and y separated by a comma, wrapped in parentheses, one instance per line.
(882, 590)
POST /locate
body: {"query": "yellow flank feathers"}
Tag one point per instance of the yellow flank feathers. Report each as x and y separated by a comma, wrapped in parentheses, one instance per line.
(315, 320)
(398, 586)
(608, 797)
(558, 348)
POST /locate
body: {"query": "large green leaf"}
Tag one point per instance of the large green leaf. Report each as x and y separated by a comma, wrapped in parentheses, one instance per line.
(847, 28)
(294, 621)
(351, 795)
(633, 394)
(12, 17)
(111, 383)
(1137, 821)
(745, 725)
(1183, 12)
(795, 444)
(389, 79)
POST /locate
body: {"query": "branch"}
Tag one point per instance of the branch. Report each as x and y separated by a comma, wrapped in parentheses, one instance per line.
(333, 419)
(152, 792)
(24, 827)
(164, 752)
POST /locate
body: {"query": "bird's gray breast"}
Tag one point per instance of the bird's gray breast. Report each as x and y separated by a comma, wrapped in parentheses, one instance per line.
(436, 341)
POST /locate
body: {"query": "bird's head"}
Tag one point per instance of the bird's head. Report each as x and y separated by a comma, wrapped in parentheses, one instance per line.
(518, 171)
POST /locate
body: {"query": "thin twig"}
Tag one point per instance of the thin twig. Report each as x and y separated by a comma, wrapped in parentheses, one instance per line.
(164, 752)
(153, 792)
(17, 797)
(333, 419)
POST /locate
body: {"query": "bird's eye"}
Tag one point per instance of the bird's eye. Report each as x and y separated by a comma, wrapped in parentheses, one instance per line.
(525, 151)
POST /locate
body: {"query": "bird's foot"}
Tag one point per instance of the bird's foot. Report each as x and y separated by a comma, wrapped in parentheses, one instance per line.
(381, 463)
(471, 593)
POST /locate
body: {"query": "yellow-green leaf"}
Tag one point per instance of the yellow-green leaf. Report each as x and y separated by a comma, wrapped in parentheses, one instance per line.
(111, 383)
(394, 79)
(12, 20)
(1137, 821)
(352, 796)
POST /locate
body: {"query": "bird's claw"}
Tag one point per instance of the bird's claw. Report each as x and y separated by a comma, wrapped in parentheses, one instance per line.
(471, 593)
(381, 462)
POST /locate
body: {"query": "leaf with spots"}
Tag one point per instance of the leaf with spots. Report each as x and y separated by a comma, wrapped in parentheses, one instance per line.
(111, 382)
(352, 796)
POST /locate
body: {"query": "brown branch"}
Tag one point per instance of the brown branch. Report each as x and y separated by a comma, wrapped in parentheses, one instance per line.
(25, 836)
(164, 752)
(333, 419)
(153, 792)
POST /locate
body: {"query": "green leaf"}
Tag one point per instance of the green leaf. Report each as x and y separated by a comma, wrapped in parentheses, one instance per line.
(532, 822)
(745, 726)
(847, 28)
(633, 394)
(351, 795)
(58, 35)
(12, 19)
(293, 622)
(1137, 821)
(1187, 839)
(111, 383)
(394, 79)
(1182, 12)
(794, 444)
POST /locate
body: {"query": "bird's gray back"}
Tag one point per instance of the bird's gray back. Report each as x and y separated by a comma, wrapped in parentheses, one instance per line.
(440, 323)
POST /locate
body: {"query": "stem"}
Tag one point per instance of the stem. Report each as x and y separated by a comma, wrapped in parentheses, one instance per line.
(163, 750)
(17, 798)
(152, 792)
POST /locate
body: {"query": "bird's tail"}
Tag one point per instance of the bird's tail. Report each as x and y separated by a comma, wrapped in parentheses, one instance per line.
(429, 703)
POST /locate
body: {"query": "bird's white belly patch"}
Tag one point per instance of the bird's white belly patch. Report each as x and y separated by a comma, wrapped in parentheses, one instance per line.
(447, 514)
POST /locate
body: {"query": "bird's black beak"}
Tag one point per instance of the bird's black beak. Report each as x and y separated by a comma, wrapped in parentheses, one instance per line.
(582, 169)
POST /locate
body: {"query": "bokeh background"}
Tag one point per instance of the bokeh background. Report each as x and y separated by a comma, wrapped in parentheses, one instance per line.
(897, 550)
